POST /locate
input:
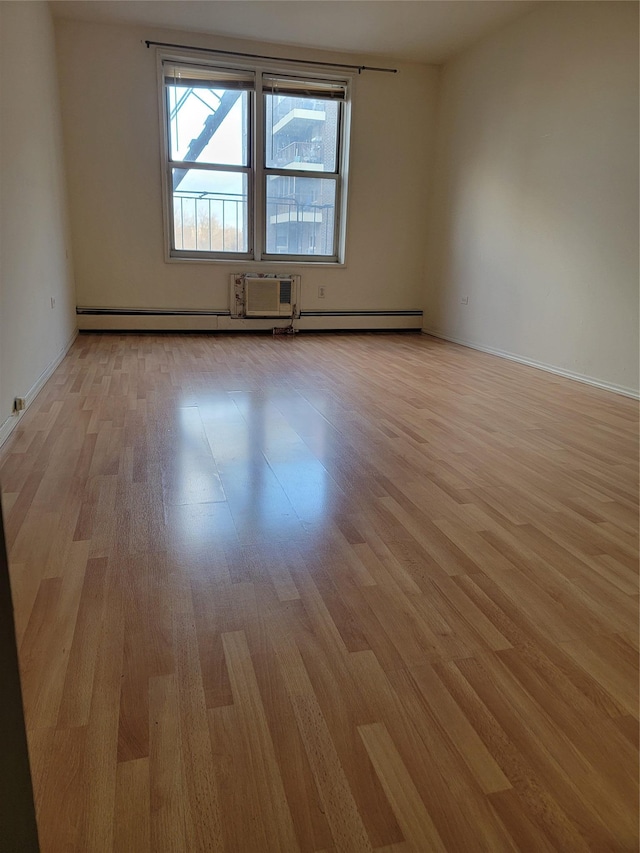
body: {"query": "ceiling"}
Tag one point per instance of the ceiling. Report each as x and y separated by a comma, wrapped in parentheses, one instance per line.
(411, 30)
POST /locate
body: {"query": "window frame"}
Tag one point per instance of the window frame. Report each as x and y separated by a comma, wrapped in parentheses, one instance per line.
(257, 172)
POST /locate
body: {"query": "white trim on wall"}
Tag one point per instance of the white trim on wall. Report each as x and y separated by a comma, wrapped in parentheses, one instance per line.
(539, 365)
(14, 419)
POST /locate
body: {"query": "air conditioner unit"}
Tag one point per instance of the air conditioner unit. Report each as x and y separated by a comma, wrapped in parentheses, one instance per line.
(268, 297)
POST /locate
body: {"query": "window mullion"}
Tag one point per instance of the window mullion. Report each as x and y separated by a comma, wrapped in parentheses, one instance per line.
(297, 173)
(207, 167)
(259, 216)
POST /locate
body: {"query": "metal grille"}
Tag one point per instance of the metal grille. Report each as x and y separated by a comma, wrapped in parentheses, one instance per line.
(285, 292)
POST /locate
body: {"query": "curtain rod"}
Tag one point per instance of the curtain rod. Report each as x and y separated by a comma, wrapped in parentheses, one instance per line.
(358, 68)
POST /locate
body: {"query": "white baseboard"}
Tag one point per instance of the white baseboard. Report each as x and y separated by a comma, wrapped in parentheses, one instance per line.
(13, 420)
(540, 365)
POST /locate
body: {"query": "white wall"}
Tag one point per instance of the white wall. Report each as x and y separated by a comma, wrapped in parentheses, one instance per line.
(535, 204)
(110, 112)
(33, 263)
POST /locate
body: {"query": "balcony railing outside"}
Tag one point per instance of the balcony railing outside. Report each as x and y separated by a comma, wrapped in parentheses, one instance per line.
(218, 223)
(300, 152)
(297, 228)
(210, 222)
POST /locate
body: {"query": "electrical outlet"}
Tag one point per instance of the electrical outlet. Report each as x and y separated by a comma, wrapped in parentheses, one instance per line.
(321, 292)
(19, 404)
(53, 302)
(464, 300)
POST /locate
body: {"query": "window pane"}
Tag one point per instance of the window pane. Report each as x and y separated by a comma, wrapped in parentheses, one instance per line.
(210, 211)
(301, 133)
(300, 215)
(208, 125)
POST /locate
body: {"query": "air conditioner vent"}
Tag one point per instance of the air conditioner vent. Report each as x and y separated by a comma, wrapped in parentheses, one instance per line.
(285, 292)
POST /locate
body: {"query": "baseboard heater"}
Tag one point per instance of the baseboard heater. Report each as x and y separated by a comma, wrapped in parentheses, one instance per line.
(171, 312)
(151, 312)
(363, 313)
(272, 304)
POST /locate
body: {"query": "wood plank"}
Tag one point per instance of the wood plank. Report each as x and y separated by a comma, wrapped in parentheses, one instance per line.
(167, 785)
(132, 813)
(341, 811)
(271, 802)
(406, 802)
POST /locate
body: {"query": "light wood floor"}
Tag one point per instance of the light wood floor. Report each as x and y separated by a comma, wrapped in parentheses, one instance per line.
(330, 593)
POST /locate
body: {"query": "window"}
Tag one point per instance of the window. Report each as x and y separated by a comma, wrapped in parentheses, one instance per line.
(255, 163)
